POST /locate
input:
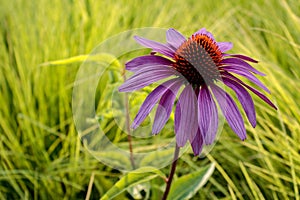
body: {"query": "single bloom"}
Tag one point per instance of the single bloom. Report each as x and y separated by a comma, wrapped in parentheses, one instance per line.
(196, 68)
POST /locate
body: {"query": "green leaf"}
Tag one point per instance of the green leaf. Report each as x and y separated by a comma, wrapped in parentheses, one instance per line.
(187, 186)
(131, 179)
(136, 190)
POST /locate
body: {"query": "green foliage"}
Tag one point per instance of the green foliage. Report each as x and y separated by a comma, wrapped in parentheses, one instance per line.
(131, 179)
(187, 186)
(42, 44)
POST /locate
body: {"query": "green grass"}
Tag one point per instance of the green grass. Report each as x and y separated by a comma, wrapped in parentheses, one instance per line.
(41, 156)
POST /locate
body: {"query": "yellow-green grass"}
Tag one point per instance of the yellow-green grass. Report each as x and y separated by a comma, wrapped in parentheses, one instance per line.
(41, 156)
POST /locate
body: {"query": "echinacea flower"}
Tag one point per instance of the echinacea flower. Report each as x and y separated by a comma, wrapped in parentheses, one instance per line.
(200, 65)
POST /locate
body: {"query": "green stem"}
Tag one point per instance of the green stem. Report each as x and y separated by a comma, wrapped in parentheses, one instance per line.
(128, 126)
(172, 172)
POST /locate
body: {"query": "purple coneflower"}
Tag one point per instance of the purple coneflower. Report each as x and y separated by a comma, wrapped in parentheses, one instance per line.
(199, 64)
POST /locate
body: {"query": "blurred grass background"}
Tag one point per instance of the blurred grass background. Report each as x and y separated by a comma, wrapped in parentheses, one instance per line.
(41, 156)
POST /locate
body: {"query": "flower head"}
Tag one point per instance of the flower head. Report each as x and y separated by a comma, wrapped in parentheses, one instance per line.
(198, 64)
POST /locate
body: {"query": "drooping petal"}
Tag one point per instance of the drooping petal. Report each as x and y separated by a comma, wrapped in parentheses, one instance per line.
(230, 111)
(241, 63)
(155, 46)
(245, 99)
(142, 61)
(175, 38)
(258, 93)
(249, 76)
(186, 122)
(243, 57)
(150, 101)
(146, 76)
(177, 117)
(164, 108)
(225, 46)
(236, 67)
(197, 143)
(205, 32)
(207, 115)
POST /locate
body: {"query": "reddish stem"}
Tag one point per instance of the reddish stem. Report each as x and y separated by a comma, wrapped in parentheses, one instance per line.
(172, 172)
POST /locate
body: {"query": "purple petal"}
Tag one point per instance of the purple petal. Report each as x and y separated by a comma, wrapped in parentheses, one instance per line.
(245, 99)
(177, 117)
(186, 123)
(230, 111)
(175, 38)
(207, 115)
(172, 47)
(259, 94)
(241, 63)
(164, 108)
(204, 32)
(151, 100)
(197, 143)
(225, 46)
(243, 57)
(142, 61)
(236, 67)
(155, 46)
(249, 76)
(146, 76)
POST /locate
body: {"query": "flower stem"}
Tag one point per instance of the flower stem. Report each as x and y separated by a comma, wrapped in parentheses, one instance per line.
(128, 125)
(129, 132)
(172, 172)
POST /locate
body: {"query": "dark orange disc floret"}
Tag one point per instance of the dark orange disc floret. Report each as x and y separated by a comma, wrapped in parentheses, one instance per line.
(197, 60)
